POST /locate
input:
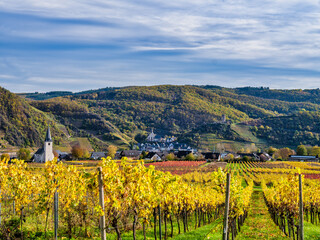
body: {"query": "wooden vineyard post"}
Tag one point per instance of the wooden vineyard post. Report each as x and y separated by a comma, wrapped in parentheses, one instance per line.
(226, 212)
(14, 207)
(0, 208)
(21, 220)
(101, 201)
(301, 209)
(56, 213)
(160, 236)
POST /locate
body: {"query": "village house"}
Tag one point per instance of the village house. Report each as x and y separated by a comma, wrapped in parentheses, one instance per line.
(163, 146)
(264, 157)
(156, 156)
(98, 155)
(153, 156)
(211, 156)
(134, 154)
(184, 153)
(251, 156)
(63, 155)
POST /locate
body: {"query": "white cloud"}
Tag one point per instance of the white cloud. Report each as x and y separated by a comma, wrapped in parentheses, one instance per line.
(282, 34)
(3, 76)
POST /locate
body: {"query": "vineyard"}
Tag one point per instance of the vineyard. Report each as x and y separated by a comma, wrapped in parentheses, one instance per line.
(164, 200)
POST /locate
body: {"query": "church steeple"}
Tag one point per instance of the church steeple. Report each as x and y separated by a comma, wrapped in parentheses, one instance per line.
(48, 136)
(48, 153)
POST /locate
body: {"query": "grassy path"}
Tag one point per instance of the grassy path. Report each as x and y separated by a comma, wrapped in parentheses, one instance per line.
(259, 224)
(214, 229)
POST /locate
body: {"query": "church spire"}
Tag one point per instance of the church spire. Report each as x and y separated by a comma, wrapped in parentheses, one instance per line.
(48, 136)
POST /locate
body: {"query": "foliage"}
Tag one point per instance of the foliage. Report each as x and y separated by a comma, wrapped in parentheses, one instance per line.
(47, 95)
(112, 150)
(140, 137)
(23, 125)
(283, 153)
(299, 128)
(24, 154)
(229, 157)
(86, 154)
(302, 150)
(170, 157)
(315, 151)
(271, 150)
(131, 191)
(77, 151)
(123, 115)
(190, 157)
(117, 114)
(5, 156)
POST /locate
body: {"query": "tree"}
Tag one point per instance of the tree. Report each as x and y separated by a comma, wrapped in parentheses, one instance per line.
(309, 150)
(143, 155)
(86, 154)
(112, 150)
(220, 147)
(271, 150)
(77, 151)
(251, 148)
(200, 157)
(190, 157)
(55, 154)
(140, 137)
(170, 157)
(315, 151)
(5, 156)
(24, 154)
(302, 150)
(284, 153)
(229, 157)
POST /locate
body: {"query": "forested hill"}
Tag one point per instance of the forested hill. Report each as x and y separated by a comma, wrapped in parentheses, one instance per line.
(21, 124)
(296, 95)
(127, 114)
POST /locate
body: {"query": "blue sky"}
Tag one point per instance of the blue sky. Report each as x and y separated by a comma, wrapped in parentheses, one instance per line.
(87, 44)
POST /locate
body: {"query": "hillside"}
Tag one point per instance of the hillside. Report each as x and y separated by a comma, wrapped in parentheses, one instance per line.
(83, 123)
(173, 109)
(21, 124)
(299, 128)
(192, 113)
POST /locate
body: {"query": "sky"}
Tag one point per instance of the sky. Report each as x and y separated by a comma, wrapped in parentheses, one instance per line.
(77, 45)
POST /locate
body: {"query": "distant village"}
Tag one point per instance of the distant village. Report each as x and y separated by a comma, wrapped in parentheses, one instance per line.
(159, 148)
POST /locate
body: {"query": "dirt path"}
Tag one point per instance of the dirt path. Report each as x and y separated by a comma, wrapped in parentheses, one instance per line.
(259, 224)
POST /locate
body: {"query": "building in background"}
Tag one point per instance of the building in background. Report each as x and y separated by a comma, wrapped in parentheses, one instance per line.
(45, 153)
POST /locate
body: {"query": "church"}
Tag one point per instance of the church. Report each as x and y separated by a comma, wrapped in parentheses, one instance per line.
(45, 153)
(151, 137)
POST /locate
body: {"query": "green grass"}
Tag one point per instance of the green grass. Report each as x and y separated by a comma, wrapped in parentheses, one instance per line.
(209, 141)
(259, 224)
(33, 229)
(210, 231)
(84, 143)
(66, 145)
(199, 233)
(245, 133)
(311, 231)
